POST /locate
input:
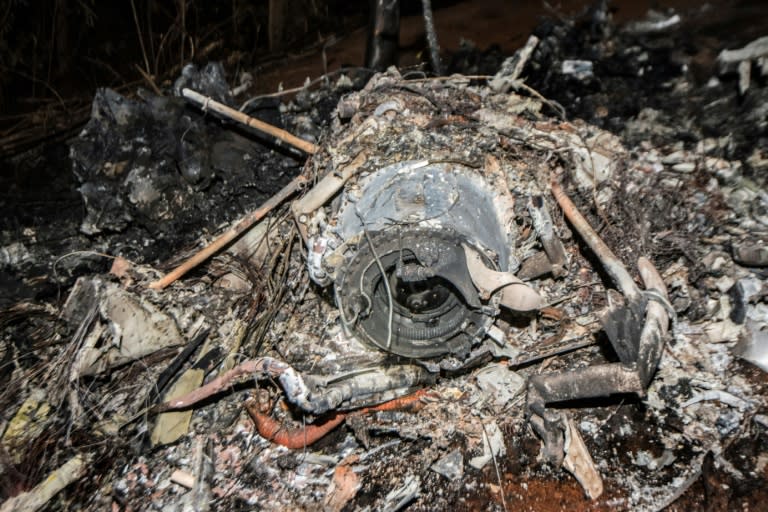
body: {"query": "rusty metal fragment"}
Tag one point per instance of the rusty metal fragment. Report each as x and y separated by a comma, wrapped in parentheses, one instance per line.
(516, 295)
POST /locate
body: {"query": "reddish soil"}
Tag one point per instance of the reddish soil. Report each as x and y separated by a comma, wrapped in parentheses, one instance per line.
(483, 22)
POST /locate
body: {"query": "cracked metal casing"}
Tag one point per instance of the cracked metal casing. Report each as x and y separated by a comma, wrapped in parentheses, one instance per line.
(420, 218)
(414, 220)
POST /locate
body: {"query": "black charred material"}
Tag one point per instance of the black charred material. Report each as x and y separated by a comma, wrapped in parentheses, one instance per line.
(383, 34)
(173, 368)
(622, 324)
(536, 266)
(590, 382)
(739, 303)
(149, 166)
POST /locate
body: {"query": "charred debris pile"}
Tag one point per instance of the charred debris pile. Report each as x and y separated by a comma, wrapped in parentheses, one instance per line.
(540, 288)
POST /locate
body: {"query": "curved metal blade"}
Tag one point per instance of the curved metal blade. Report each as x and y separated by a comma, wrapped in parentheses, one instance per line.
(516, 295)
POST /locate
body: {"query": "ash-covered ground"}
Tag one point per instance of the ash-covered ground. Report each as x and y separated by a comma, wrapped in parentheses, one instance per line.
(150, 179)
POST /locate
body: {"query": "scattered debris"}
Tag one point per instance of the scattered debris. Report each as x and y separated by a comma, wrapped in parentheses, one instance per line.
(655, 22)
(500, 384)
(742, 60)
(400, 497)
(579, 462)
(183, 478)
(133, 328)
(69, 472)
(719, 395)
(203, 463)
(343, 488)
(579, 69)
(426, 253)
(636, 328)
(751, 254)
(645, 459)
(493, 446)
(451, 465)
(753, 345)
(508, 76)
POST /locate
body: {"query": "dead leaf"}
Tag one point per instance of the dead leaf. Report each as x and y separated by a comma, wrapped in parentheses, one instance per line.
(343, 488)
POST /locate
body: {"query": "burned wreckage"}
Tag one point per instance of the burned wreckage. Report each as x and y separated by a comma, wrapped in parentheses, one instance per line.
(431, 225)
(430, 281)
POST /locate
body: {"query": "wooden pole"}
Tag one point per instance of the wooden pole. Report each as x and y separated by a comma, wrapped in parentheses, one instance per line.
(610, 262)
(243, 225)
(210, 104)
(249, 220)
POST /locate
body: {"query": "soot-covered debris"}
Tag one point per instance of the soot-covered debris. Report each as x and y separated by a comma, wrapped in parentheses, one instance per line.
(162, 173)
(668, 166)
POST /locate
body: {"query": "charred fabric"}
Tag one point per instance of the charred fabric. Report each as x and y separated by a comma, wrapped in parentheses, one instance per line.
(431, 224)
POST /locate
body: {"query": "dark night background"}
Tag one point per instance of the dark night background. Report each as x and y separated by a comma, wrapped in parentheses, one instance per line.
(55, 53)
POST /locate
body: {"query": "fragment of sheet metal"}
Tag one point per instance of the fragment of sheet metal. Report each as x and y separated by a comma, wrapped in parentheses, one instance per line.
(422, 218)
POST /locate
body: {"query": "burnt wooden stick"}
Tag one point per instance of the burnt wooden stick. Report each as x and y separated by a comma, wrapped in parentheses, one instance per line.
(429, 28)
(210, 104)
(35, 499)
(243, 225)
(173, 368)
(610, 262)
